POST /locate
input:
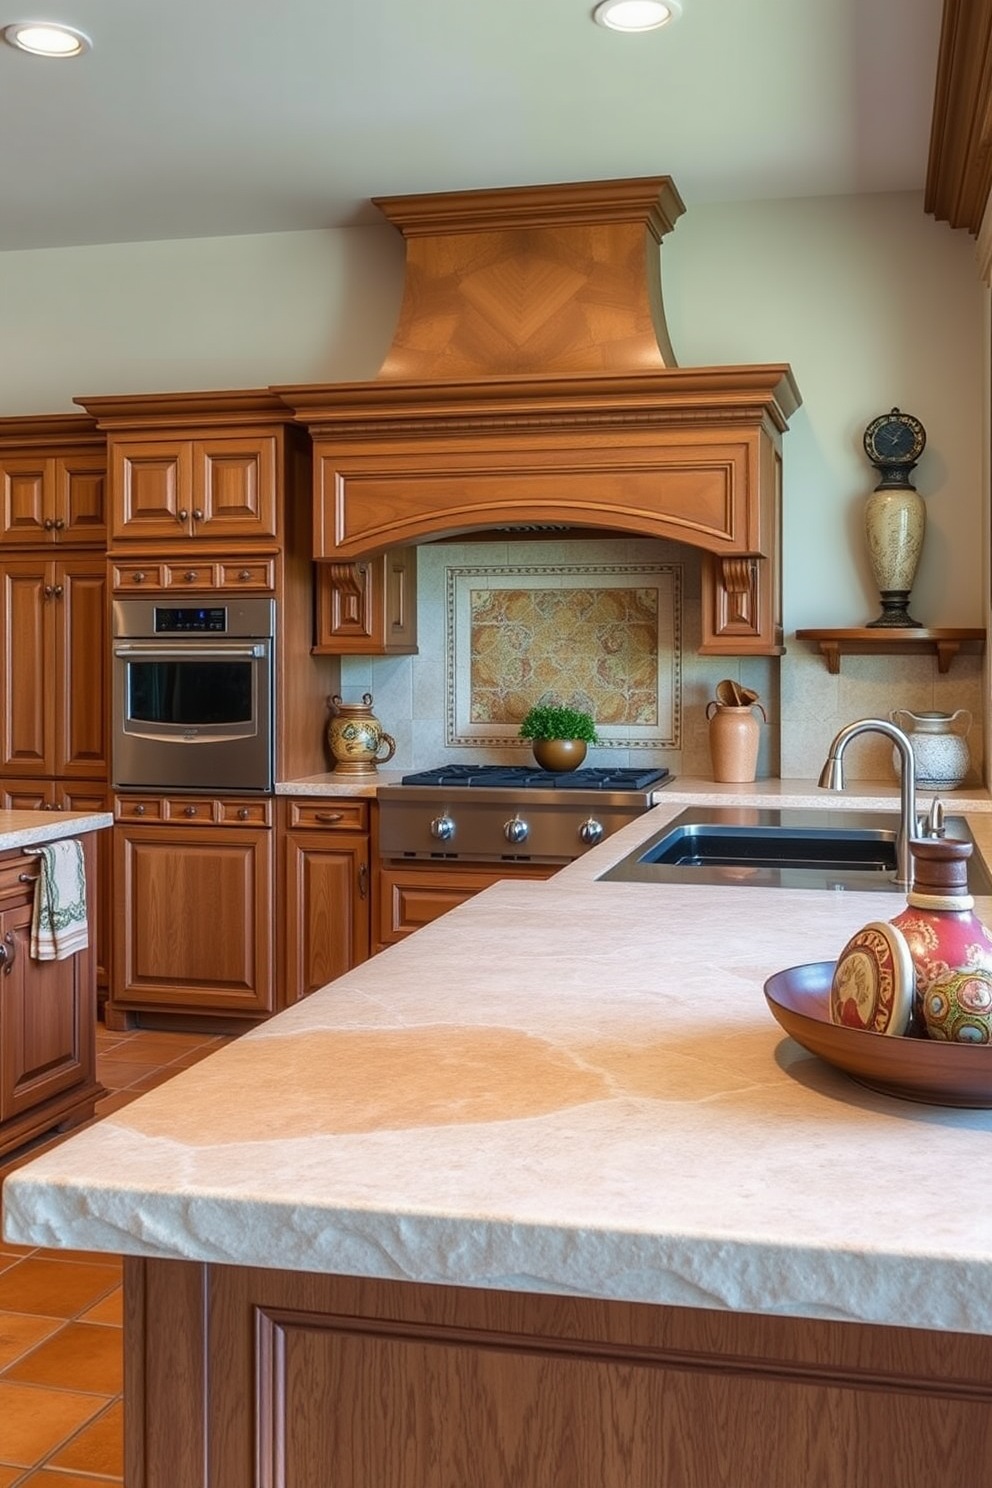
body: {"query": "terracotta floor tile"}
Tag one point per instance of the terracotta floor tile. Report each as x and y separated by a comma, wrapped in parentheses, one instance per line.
(21, 1331)
(163, 1048)
(43, 1478)
(34, 1421)
(80, 1356)
(54, 1288)
(116, 1074)
(9, 1475)
(98, 1448)
(110, 1310)
(86, 1257)
(153, 1078)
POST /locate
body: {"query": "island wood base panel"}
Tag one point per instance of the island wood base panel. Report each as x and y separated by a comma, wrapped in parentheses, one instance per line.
(238, 1378)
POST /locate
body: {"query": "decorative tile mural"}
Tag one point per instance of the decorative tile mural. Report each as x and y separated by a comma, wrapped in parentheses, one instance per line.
(605, 638)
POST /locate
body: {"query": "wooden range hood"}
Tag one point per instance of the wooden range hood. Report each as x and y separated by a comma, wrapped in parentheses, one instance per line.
(531, 385)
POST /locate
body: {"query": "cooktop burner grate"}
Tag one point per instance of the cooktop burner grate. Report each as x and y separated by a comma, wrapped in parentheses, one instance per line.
(523, 777)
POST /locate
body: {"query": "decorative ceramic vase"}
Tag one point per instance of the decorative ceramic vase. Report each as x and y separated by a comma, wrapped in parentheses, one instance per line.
(940, 746)
(559, 754)
(895, 523)
(950, 946)
(735, 734)
(357, 738)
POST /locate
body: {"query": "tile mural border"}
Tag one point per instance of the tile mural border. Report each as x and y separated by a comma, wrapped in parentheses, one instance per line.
(666, 577)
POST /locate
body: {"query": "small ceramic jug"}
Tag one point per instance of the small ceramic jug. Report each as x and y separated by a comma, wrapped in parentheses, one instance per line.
(357, 738)
(734, 737)
(940, 746)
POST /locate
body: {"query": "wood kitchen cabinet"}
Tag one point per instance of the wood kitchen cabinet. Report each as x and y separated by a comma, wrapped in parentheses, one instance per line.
(47, 1017)
(411, 895)
(53, 666)
(326, 891)
(207, 488)
(369, 607)
(53, 488)
(193, 885)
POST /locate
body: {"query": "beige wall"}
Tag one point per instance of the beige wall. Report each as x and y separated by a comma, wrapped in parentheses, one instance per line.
(871, 302)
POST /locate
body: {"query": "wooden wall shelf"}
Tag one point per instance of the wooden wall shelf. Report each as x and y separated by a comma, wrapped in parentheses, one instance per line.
(868, 639)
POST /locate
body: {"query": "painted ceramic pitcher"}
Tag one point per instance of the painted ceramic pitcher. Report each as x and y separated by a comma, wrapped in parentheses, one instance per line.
(940, 746)
(357, 738)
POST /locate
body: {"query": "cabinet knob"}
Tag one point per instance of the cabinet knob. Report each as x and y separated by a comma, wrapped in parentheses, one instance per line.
(59, 591)
(190, 575)
(59, 524)
(245, 575)
(182, 515)
(139, 810)
(48, 524)
(139, 576)
(48, 591)
(189, 811)
(197, 514)
(243, 813)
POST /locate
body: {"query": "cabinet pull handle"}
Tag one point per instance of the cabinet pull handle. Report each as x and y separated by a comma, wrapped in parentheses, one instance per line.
(363, 880)
(27, 878)
(197, 514)
(328, 816)
(182, 515)
(7, 956)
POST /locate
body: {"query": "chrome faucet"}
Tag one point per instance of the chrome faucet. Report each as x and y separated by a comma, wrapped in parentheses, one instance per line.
(832, 778)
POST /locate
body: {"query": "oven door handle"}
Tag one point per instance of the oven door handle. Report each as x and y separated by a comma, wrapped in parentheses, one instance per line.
(189, 653)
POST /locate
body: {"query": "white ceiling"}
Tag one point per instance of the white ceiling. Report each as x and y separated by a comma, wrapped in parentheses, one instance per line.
(204, 118)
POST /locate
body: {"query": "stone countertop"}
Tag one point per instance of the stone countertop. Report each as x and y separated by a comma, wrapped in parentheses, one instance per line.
(566, 1086)
(29, 828)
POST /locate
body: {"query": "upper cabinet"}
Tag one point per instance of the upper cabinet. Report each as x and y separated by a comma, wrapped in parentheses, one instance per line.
(52, 482)
(176, 489)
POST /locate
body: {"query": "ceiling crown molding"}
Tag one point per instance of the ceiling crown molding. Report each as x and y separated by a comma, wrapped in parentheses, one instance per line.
(959, 169)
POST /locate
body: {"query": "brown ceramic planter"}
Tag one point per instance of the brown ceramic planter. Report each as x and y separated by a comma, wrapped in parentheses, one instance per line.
(559, 754)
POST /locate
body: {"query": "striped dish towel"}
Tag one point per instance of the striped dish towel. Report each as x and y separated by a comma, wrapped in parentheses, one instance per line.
(59, 926)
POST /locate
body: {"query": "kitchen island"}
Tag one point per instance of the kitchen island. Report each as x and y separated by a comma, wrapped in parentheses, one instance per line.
(545, 1196)
(48, 1008)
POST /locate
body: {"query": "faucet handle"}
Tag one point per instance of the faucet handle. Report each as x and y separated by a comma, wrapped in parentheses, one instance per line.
(934, 825)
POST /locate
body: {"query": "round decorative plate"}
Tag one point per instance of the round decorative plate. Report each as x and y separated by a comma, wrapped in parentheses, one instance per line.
(919, 1069)
(873, 981)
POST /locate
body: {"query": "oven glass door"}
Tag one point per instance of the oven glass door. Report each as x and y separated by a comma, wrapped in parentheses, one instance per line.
(193, 713)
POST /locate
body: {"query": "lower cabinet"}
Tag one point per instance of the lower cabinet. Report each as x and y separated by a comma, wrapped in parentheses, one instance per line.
(326, 891)
(413, 894)
(194, 894)
(47, 1017)
(75, 795)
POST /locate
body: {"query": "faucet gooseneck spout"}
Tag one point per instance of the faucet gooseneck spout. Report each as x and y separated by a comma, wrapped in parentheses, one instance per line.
(832, 778)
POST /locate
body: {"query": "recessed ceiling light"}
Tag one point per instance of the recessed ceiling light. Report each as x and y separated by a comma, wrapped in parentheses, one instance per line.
(46, 39)
(636, 15)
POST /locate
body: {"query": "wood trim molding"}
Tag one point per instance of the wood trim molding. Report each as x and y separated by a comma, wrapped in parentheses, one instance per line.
(959, 170)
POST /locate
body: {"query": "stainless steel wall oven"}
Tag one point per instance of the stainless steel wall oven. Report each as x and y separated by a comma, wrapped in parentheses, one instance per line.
(193, 694)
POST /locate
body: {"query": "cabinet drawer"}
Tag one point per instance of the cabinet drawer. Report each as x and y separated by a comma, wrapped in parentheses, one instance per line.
(17, 875)
(193, 574)
(247, 573)
(330, 815)
(138, 576)
(229, 811)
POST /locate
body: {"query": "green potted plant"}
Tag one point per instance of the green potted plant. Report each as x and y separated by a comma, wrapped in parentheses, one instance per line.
(558, 735)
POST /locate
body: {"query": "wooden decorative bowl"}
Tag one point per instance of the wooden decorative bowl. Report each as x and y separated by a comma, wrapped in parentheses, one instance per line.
(926, 1070)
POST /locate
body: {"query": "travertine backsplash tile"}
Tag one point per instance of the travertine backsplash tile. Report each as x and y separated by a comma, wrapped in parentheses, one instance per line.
(413, 695)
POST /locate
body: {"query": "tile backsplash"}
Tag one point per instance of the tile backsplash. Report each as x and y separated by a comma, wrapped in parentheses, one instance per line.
(614, 625)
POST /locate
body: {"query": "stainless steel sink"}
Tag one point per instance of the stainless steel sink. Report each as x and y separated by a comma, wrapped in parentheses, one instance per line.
(781, 849)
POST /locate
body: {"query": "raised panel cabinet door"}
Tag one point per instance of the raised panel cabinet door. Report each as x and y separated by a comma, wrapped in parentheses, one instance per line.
(193, 928)
(43, 1041)
(25, 500)
(234, 486)
(28, 676)
(81, 498)
(327, 910)
(82, 669)
(68, 796)
(151, 489)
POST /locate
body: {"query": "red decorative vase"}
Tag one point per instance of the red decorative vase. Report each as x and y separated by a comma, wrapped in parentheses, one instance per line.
(951, 947)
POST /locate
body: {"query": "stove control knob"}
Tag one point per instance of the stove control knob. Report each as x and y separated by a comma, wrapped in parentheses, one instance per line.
(591, 832)
(443, 828)
(515, 830)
